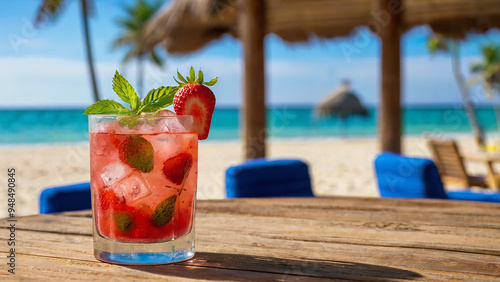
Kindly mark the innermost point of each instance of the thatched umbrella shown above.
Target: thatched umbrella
(342, 102)
(186, 26)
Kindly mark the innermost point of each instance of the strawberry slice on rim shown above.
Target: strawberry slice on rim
(194, 98)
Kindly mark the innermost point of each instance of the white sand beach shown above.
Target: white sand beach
(337, 166)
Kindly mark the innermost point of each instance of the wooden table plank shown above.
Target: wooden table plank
(306, 260)
(286, 239)
(50, 268)
(379, 232)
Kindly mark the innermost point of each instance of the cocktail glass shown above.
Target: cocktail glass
(143, 181)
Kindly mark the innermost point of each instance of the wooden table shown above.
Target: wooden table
(285, 239)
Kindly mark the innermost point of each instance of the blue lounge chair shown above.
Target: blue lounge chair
(268, 178)
(405, 177)
(65, 198)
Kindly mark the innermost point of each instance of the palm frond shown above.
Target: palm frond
(48, 11)
(488, 52)
(156, 59)
(437, 43)
(124, 40)
(127, 23)
(476, 67)
(473, 80)
(131, 54)
(132, 26)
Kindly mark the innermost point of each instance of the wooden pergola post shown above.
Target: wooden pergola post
(252, 32)
(390, 95)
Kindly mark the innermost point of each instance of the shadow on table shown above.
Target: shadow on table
(233, 267)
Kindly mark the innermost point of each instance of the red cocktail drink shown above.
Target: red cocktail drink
(143, 166)
(143, 177)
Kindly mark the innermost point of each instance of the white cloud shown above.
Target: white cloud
(44, 81)
(41, 81)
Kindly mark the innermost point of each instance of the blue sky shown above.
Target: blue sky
(46, 67)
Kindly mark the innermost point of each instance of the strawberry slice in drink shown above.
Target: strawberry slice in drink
(177, 167)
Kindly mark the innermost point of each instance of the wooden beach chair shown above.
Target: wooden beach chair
(451, 165)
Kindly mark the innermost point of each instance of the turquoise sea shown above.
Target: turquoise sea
(28, 126)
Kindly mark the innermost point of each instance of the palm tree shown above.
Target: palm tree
(132, 26)
(487, 72)
(50, 9)
(488, 69)
(440, 43)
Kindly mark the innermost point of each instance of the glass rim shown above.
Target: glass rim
(137, 116)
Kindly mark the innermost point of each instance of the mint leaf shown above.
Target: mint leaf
(211, 82)
(138, 153)
(124, 221)
(164, 212)
(126, 92)
(158, 99)
(129, 122)
(105, 107)
(168, 99)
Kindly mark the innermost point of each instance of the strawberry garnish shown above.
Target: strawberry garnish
(196, 99)
(176, 168)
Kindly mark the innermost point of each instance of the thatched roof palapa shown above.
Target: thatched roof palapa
(342, 102)
(186, 26)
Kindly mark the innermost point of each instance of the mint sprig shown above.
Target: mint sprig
(106, 107)
(126, 92)
(155, 100)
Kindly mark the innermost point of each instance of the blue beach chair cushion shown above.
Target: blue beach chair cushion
(269, 178)
(65, 198)
(483, 196)
(405, 177)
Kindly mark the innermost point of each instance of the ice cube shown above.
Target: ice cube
(165, 113)
(176, 125)
(97, 146)
(132, 188)
(145, 128)
(167, 145)
(115, 172)
(101, 127)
